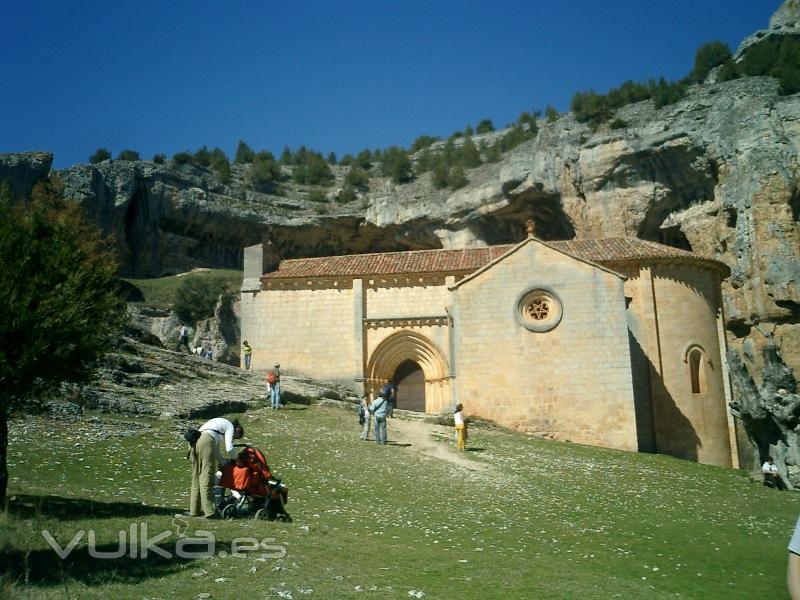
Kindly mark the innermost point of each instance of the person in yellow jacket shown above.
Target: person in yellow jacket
(461, 427)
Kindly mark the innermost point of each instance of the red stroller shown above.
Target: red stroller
(254, 491)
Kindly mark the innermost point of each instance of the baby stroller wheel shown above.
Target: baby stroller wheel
(262, 514)
(228, 512)
(284, 518)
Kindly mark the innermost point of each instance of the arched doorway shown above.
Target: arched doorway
(418, 363)
(410, 381)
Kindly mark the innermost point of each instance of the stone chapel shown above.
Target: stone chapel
(610, 342)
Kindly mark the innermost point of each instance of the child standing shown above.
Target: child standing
(461, 427)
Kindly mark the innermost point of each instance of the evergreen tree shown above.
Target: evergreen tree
(219, 162)
(202, 157)
(396, 165)
(129, 155)
(99, 156)
(59, 293)
(469, 155)
(485, 126)
(244, 154)
(264, 172)
(707, 57)
(550, 113)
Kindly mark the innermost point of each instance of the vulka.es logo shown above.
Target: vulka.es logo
(136, 543)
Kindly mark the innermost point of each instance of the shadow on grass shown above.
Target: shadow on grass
(475, 449)
(29, 506)
(45, 568)
(398, 445)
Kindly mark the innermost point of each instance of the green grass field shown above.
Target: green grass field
(540, 520)
(160, 292)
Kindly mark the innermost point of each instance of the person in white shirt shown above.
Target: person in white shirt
(207, 457)
(771, 476)
(461, 427)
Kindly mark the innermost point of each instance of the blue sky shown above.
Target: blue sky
(335, 76)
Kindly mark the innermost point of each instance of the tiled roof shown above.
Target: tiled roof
(601, 251)
(390, 263)
(620, 250)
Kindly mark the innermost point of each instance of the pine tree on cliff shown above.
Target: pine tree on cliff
(59, 301)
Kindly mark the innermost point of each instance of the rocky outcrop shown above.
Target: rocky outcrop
(146, 379)
(22, 170)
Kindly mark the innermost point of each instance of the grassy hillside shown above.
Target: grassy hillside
(160, 292)
(535, 519)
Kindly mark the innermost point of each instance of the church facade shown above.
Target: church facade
(613, 342)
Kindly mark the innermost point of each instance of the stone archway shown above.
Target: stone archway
(403, 353)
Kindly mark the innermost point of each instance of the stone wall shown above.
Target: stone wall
(673, 309)
(573, 382)
(307, 328)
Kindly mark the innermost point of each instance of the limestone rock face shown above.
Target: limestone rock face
(22, 170)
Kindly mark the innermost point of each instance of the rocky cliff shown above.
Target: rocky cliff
(716, 173)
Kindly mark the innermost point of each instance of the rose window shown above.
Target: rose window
(539, 310)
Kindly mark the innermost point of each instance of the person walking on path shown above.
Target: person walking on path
(207, 458)
(380, 408)
(183, 338)
(247, 355)
(461, 428)
(364, 418)
(274, 381)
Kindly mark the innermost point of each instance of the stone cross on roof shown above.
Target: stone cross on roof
(531, 227)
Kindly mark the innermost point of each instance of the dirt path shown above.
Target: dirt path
(420, 436)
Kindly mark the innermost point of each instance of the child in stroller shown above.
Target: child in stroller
(254, 491)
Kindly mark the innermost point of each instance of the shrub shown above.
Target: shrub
(99, 156)
(456, 178)
(357, 178)
(128, 155)
(317, 196)
(550, 113)
(439, 175)
(347, 160)
(346, 194)
(196, 298)
(421, 142)
(618, 124)
(160, 158)
(332, 158)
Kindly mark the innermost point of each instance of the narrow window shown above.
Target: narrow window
(696, 370)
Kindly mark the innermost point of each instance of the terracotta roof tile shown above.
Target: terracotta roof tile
(601, 251)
